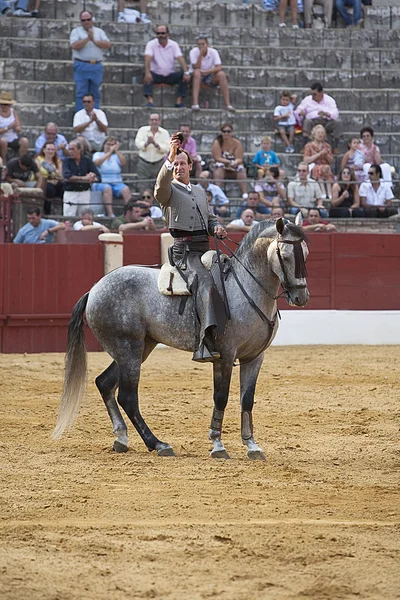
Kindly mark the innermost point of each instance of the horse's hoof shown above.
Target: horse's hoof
(165, 450)
(118, 447)
(219, 454)
(256, 455)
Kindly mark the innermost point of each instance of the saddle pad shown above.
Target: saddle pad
(170, 277)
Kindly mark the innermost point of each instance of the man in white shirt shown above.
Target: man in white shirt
(152, 141)
(206, 68)
(91, 124)
(376, 195)
(160, 55)
(245, 223)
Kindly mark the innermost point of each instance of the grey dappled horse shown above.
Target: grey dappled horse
(129, 317)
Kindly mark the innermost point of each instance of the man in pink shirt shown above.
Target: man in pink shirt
(159, 66)
(189, 144)
(320, 109)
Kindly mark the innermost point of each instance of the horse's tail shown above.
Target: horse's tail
(75, 371)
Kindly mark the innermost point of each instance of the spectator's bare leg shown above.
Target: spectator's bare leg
(107, 200)
(308, 13)
(284, 137)
(322, 186)
(121, 6)
(241, 178)
(196, 79)
(282, 10)
(221, 79)
(293, 9)
(291, 136)
(126, 194)
(3, 150)
(23, 146)
(219, 175)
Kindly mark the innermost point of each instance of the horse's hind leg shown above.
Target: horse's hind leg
(222, 379)
(107, 383)
(248, 380)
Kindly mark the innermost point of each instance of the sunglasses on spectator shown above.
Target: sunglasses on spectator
(371, 173)
(146, 197)
(85, 20)
(161, 33)
(227, 131)
(87, 101)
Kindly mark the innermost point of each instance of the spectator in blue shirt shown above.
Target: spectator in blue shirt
(37, 230)
(265, 158)
(220, 202)
(51, 135)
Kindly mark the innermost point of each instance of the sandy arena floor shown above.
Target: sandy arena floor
(320, 519)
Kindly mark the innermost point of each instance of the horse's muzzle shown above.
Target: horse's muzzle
(297, 296)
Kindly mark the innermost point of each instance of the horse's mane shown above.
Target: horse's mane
(267, 230)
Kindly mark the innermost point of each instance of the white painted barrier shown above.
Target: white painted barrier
(113, 251)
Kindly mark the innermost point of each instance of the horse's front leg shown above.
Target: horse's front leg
(222, 380)
(248, 380)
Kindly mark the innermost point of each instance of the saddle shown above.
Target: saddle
(170, 281)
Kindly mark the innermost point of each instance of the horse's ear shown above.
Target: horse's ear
(280, 225)
(299, 219)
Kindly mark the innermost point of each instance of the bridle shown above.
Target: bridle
(300, 267)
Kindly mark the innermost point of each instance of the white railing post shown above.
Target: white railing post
(113, 251)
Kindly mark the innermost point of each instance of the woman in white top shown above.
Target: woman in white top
(10, 128)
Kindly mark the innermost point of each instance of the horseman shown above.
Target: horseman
(191, 222)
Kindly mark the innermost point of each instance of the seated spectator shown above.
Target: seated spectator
(50, 167)
(37, 230)
(372, 154)
(328, 9)
(24, 172)
(265, 157)
(350, 20)
(244, 223)
(285, 120)
(227, 152)
(282, 12)
(159, 66)
(270, 187)
(79, 173)
(315, 223)
(209, 200)
(146, 203)
(318, 153)
(219, 201)
(277, 212)
(320, 109)
(189, 144)
(152, 141)
(345, 197)
(132, 220)
(354, 159)
(206, 69)
(10, 128)
(20, 8)
(109, 163)
(376, 195)
(87, 224)
(5, 188)
(142, 18)
(51, 135)
(254, 202)
(91, 123)
(304, 193)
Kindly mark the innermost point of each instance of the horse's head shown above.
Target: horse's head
(287, 256)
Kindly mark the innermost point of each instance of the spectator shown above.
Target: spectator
(147, 205)
(109, 163)
(354, 159)
(10, 128)
(284, 116)
(345, 196)
(91, 124)
(79, 173)
(20, 9)
(320, 109)
(152, 141)
(304, 193)
(51, 135)
(353, 20)
(227, 152)
(143, 18)
(159, 66)
(254, 202)
(328, 8)
(219, 201)
(282, 12)
(314, 222)
(133, 220)
(5, 188)
(270, 186)
(50, 167)
(318, 155)
(277, 212)
(206, 69)
(37, 230)
(87, 224)
(376, 195)
(189, 144)
(24, 172)
(265, 158)
(372, 154)
(88, 44)
(244, 223)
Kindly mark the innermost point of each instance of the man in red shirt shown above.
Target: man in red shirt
(314, 222)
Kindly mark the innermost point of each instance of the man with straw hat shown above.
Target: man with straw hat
(10, 128)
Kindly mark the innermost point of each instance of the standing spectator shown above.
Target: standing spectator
(318, 152)
(219, 202)
(109, 163)
(265, 157)
(376, 195)
(348, 19)
(244, 223)
(143, 18)
(271, 187)
(10, 128)
(254, 202)
(51, 135)
(37, 230)
(87, 224)
(206, 68)
(372, 154)
(354, 159)
(315, 223)
(328, 8)
(189, 144)
(133, 220)
(50, 167)
(152, 141)
(91, 124)
(320, 109)
(88, 44)
(227, 152)
(159, 66)
(146, 203)
(304, 193)
(345, 196)
(79, 173)
(282, 12)
(284, 116)
(24, 172)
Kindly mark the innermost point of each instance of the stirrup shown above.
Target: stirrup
(203, 354)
